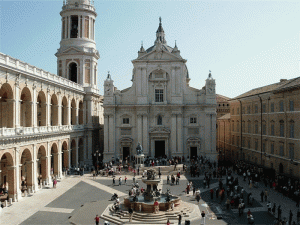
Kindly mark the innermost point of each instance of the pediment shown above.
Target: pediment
(71, 50)
(160, 55)
(160, 130)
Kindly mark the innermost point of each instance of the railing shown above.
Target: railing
(83, 6)
(7, 132)
(9, 61)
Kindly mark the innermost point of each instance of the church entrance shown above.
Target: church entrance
(126, 153)
(159, 149)
(193, 152)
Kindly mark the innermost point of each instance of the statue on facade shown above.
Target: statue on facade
(139, 149)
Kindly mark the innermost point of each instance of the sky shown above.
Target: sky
(246, 44)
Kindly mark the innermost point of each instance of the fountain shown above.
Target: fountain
(145, 203)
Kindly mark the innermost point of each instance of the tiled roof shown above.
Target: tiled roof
(225, 117)
(221, 98)
(291, 84)
(264, 89)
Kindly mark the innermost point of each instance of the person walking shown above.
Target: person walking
(279, 212)
(262, 196)
(203, 218)
(97, 219)
(269, 207)
(179, 219)
(212, 194)
(125, 180)
(266, 195)
(198, 197)
(249, 215)
(290, 217)
(114, 181)
(274, 209)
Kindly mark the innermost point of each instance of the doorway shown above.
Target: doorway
(126, 153)
(193, 153)
(159, 149)
(280, 168)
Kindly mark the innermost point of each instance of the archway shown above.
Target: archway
(41, 164)
(65, 156)
(73, 72)
(64, 111)
(73, 153)
(80, 112)
(80, 151)
(41, 109)
(6, 106)
(54, 160)
(7, 174)
(280, 168)
(26, 108)
(26, 173)
(54, 110)
(73, 112)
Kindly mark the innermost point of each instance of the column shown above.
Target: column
(179, 134)
(89, 112)
(152, 148)
(76, 116)
(173, 81)
(174, 148)
(140, 129)
(48, 160)
(84, 113)
(106, 137)
(111, 134)
(48, 109)
(77, 142)
(16, 189)
(59, 109)
(69, 112)
(69, 26)
(83, 26)
(59, 159)
(79, 28)
(17, 106)
(145, 135)
(35, 176)
(34, 112)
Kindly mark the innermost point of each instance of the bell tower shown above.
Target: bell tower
(77, 57)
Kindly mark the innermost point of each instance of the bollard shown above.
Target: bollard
(29, 190)
(25, 193)
(10, 201)
(44, 183)
(15, 198)
(41, 185)
(5, 203)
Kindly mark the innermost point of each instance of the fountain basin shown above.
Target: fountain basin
(148, 206)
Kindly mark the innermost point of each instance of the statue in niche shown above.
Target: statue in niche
(139, 149)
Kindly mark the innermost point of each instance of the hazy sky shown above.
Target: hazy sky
(246, 44)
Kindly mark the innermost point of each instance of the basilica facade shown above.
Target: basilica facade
(161, 111)
(51, 122)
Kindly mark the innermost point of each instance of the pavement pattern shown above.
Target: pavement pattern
(63, 204)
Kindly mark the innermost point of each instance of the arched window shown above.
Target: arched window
(159, 120)
(264, 128)
(256, 127)
(272, 128)
(292, 129)
(73, 72)
(249, 127)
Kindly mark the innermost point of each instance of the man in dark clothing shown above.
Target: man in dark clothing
(290, 217)
(212, 193)
(179, 219)
(262, 196)
(279, 212)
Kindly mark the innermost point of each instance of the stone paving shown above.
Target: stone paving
(64, 204)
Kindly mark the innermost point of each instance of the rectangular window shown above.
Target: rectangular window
(238, 141)
(125, 120)
(159, 95)
(281, 129)
(249, 144)
(291, 105)
(272, 107)
(243, 143)
(193, 120)
(292, 129)
(238, 127)
(272, 148)
(249, 127)
(238, 111)
(232, 126)
(243, 111)
(256, 144)
(256, 108)
(281, 151)
(281, 106)
(264, 147)
(272, 129)
(248, 109)
(264, 108)
(256, 128)
(233, 140)
(291, 151)
(264, 129)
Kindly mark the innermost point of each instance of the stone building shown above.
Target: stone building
(263, 127)
(160, 110)
(50, 122)
(223, 105)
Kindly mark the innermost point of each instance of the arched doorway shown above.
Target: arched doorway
(73, 72)
(80, 112)
(54, 110)
(64, 111)
(41, 109)
(26, 172)
(80, 152)
(73, 153)
(41, 164)
(54, 160)
(73, 112)
(6, 106)
(26, 108)
(7, 174)
(65, 156)
(280, 168)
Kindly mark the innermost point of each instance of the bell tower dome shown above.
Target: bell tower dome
(77, 57)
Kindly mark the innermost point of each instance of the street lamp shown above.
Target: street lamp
(97, 154)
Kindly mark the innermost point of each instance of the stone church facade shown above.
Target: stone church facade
(50, 122)
(160, 110)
